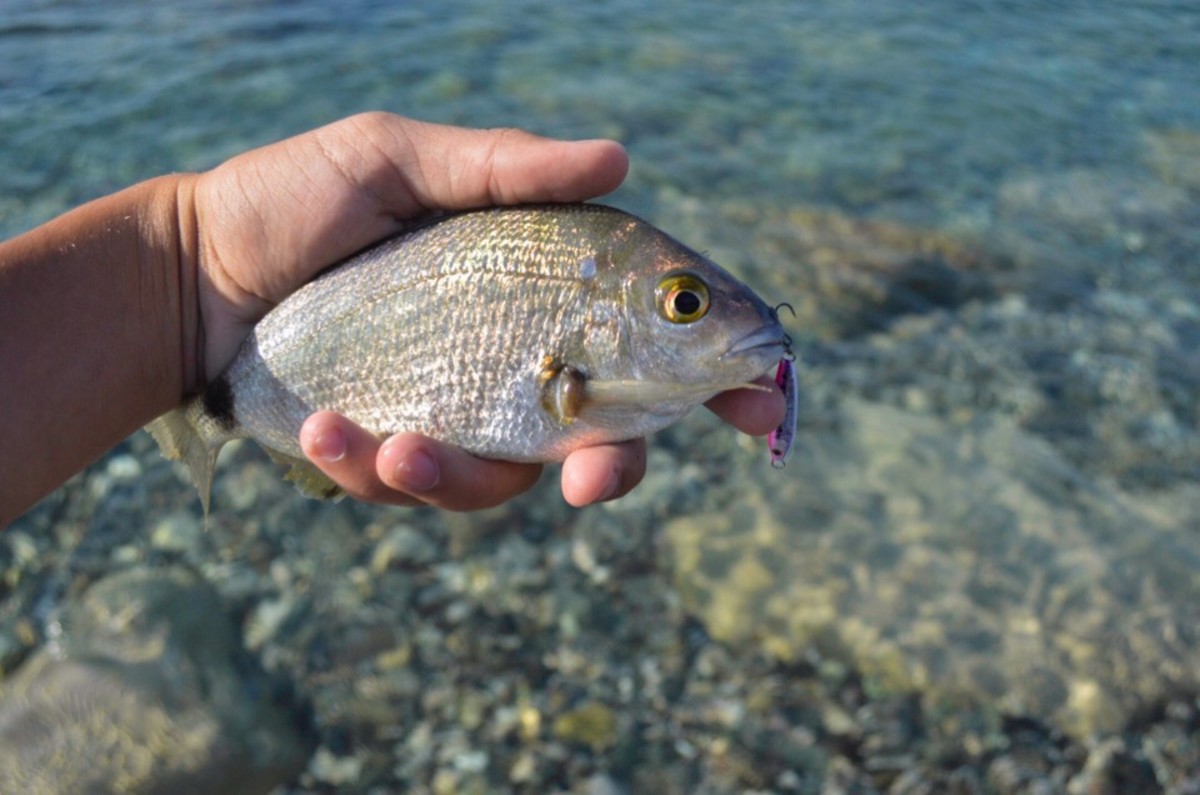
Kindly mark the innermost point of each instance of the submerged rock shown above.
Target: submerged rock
(147, 691)
(843, 276)
(1174, 154)
(952, 558)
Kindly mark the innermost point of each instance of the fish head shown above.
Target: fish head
(691, 322)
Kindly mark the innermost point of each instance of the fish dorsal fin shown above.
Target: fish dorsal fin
(311, 481)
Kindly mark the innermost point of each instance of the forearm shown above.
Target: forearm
(91, 335)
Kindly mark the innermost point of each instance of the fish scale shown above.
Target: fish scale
(472, 329)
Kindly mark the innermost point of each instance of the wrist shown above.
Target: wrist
(92, 331)
(168, 241)
(184, 239)
(166, 283)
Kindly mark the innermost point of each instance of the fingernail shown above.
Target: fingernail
(417, 472)
(329, 446)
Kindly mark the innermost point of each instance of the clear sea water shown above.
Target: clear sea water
(1068, 131)
(914, 110)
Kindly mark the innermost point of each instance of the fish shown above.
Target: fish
(519, 333)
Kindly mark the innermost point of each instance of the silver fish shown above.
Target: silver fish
(519, 333)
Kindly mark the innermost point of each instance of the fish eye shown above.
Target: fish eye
(682, 298)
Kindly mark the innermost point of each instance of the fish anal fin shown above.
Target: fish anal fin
(181, 439)
(311, 481)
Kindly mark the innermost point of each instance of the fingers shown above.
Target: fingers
(604, 472)
(346, 453)
(438, 167)
(749, 410)
(409, 469)
(448, 477)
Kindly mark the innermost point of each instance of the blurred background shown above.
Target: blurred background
(980, 571)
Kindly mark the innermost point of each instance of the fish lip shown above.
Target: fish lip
(762, 338)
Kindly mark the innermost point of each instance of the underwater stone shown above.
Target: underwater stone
(150, 692)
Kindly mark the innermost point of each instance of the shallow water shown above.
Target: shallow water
(986, 215)
(918, 111)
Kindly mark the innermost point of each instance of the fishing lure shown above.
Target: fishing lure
(779, 441)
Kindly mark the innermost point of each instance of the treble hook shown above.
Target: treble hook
(789, 354)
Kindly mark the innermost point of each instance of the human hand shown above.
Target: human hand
(262, 224)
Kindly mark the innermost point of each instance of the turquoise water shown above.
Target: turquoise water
(917, 110)
(986, 214)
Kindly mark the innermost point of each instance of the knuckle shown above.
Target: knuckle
(372, 119)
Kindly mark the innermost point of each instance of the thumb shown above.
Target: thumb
(438, 167)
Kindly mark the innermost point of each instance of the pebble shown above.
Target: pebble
(336, 770)
(592, 724)
(403, 546)
(180, 531)
(603, 784)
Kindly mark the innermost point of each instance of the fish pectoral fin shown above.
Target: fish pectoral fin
(636, 392)
(311, 481)
(563, 391)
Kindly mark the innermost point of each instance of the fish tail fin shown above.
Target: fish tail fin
(181, 438)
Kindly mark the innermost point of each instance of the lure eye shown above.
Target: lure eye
(682, 298)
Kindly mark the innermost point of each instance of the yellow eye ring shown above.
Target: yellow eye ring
(682, 298)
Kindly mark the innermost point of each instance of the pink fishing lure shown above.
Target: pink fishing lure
(779, 441)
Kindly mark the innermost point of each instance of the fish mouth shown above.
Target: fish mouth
(760, 340)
